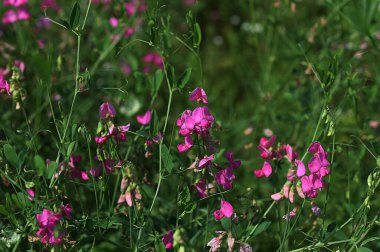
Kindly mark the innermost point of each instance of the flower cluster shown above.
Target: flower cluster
(196, 122)
(20, 12)
(48, 221)
(106, 128)
(152, 59)
(298, 181)
(129, 190)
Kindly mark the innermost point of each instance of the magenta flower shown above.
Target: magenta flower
(9, 17)
(4, 87)
(183, 147)
(66, 211)
(230, 157)
(23, 14)
(144, 119)
(266, 170)
(290, 215)
(300, 168)
(130, 9)
(167, 239)
(107, 110)
(114, 22)
(31, 194)
(201, 188)
(48, 221)
(204, 162)
(226, 210)
(15, 3)
(225, 177)
(198, 95)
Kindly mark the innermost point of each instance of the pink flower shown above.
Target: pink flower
(204, 162)
(266, 143)
(23, 14)
(289, 153)
(300, 168)
(4, 87)
(183, 147)
(15, 3)
(226, 210)
(31, 194)
(266, 170)
(107, 110)
(9, 17)
(245, 247)
(20, 65)
(198, 95)
(144, 119)
(48, 218)
(167, 239)
(129, 31)
(130, 9)
(277, 196)
(114, 22)
(290, 215)
(126, 69)
(101, 140)
(374, 124)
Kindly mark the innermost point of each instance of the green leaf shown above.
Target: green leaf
(39, 165)
(65, 23)
(331, 227)
(261, 227)
(3, 210)
(184, 78)
(159, 246)
(11, 155)
(171, 74)
(51, 170)
(157, 80)
(226, 223)
(75, 15)
(71, 148)
(167, 159)
(364, 249)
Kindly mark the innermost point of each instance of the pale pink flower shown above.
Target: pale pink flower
(214, 244)
(30, 193)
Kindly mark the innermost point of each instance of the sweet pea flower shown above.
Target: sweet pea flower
(167, 239)
(9, 17)
(225, 177)
(144, 119)
(315, 209)
(4, 87)
(130, 9)
(66, 211)
(201, 188)
(107, 110)
(183, 147)
(230, 157)
(15, 3)
(23, 14)
(214, 244)
(204, 162)
(300, 168)
(114, 22)
(266, 170)
(30, 193)
(290, 215)
(226, 210)
(198, 95)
